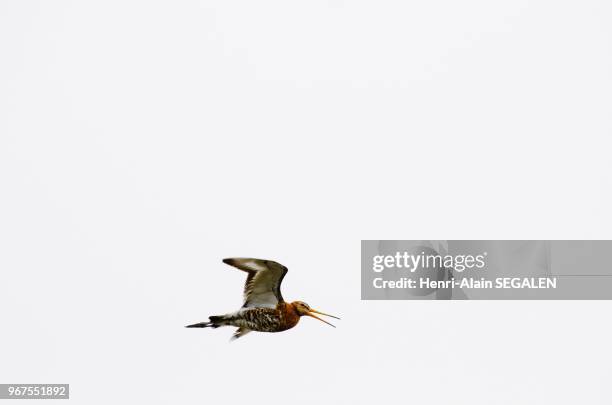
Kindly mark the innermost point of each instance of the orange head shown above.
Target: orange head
(303, 309)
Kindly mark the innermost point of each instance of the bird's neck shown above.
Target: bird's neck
(288, 314)
(288, 308)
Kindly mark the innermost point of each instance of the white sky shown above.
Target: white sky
(143, 141)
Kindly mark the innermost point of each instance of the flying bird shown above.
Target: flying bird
(264, 309)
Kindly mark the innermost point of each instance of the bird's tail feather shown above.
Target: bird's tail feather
(201, 325)
(214, 322)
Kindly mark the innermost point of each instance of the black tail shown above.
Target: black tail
(200, 325)
(215, 322)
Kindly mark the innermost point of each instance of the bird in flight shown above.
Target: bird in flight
(264, 309)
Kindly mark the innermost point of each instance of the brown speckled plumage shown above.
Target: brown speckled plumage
(278, 319)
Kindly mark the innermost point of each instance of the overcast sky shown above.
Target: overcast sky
(141, 142)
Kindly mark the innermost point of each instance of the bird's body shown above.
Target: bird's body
(278, 319)
(264, 309)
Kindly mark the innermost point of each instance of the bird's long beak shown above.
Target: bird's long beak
(312, 313)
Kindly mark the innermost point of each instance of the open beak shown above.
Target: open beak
(312, 313)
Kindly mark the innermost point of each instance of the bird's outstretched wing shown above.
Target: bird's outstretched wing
(262, 287)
